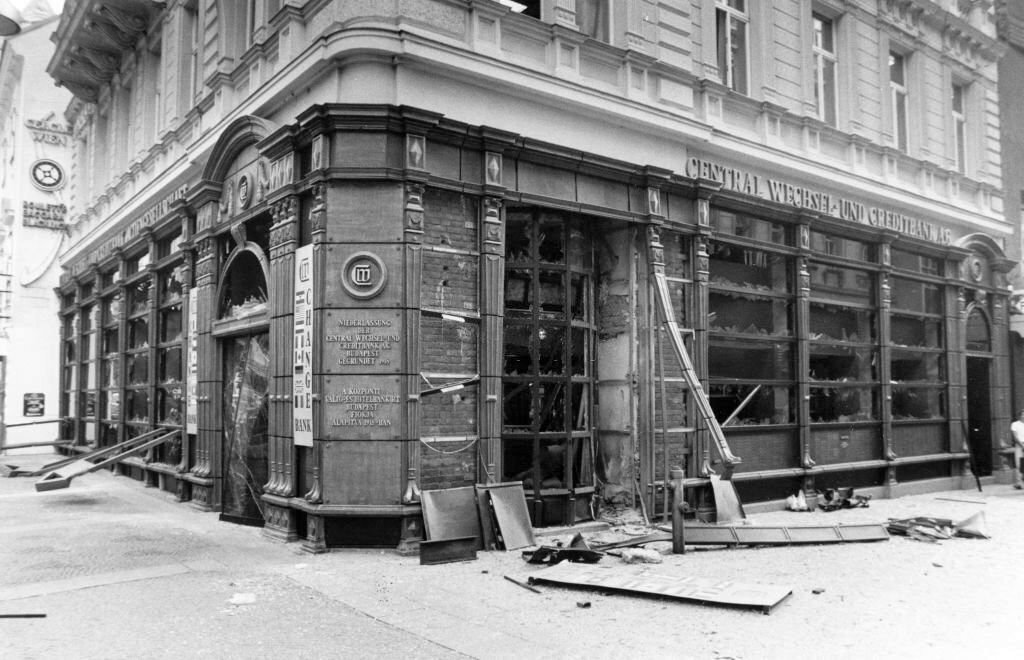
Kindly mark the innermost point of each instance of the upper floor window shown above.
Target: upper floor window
(959, 129)
(825, 69)
(591, 17)
(898, 98)
(194, 70)
(731, 37)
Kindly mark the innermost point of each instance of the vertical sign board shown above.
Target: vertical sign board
(34, 404)
(192, 375)
(302, 366)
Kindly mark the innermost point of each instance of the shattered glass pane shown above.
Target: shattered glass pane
(517, 237)
(579, 296)
(517, 411)
(768, 405)
(552, 407)
(578, 352)
(138, 333)
(917, 332)
(138, 369)
(842, 363)
(580, 406)
(550, 239)
(738, 313)
(833, 323)
(552, 291)
(909, 365)
(750, 360)
(518, 286)
(917, 403)
(517, 455)
(843, 404)
(551, 350)
(518, 356)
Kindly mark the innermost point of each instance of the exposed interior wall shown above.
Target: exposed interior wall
(616, 331)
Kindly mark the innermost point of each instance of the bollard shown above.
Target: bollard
(678, 508)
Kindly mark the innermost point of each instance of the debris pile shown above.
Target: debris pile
(933, 530)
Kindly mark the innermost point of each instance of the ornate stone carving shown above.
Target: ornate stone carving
(414, 212)
(318, 211)
(654, 201)
(656, 251)
(316, 535)
(416, 152)
(493, 168)
(109, 33)
(493, 231)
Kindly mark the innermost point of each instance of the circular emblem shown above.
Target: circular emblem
(974, 269)
(47, 175)
(244, 191)
(364, 275)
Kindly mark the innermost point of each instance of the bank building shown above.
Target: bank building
(348, 252)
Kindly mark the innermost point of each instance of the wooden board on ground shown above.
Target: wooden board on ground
(663, 584)
(451, 513)
(507, 504)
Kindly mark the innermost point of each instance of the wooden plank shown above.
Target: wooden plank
(512, 516)
(665, 585)
(451, 513)
(444, 551)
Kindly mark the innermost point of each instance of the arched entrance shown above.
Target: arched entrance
(244, 344)
(979, 388)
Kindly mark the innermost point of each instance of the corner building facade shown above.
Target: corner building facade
(356, 253)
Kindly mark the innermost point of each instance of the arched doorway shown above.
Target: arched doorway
(245, 370)
(979, 387)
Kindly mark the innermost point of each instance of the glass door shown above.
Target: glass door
(246, 382)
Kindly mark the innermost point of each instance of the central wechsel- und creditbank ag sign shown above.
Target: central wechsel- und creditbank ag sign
(782, 192)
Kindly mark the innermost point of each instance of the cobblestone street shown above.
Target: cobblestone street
(122, 571)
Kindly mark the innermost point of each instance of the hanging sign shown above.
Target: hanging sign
(302, 369)
(192, 376)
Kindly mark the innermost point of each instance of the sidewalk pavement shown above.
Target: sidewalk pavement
(123, 571)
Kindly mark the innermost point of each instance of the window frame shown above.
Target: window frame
(898, 100)
(826, 108)
(958, 113)
(727, 13)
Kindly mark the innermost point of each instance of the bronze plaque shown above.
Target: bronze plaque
(360, 341)
(361, 407)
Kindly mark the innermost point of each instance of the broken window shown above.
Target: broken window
(750, 323)
(548, 354)
(917, 366)
(843, 339)
(244, 290)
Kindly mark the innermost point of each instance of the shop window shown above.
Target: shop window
(136, 264)
(834, 282)
(88, 374)
(110, 368)
(917, 403)
(915, 262)
(842, 355)
(750, 321)
(838, 246)
(731, 23)
(836, 323)
(745, 226)
(915, 296)
(908, 331)
(843, 403)
(548, 358)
